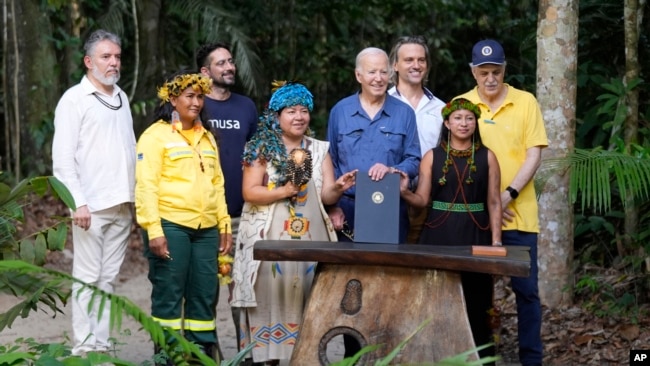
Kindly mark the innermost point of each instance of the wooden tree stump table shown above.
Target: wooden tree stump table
(380, 293)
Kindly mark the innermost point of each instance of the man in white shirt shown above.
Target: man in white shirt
(93, 154)
(409, 60)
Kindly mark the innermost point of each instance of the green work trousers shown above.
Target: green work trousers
(185, 287)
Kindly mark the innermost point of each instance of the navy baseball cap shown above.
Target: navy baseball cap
(488, 51)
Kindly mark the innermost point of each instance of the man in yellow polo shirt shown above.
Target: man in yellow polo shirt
(511, 125)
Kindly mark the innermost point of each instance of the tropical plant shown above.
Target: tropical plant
(22, 276)
(593, 171)
(42, 286)
(32, 247)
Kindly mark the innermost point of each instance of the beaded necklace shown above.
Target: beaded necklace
(467, 153)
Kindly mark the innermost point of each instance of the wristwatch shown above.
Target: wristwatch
(513, 192)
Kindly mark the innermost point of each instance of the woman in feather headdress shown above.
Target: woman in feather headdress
(288, 177)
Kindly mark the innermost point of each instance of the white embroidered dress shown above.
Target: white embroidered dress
(273, 293)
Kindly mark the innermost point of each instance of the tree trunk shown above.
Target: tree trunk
(32, 87)
(633, 15)
(152, 62)
(557, 58)
(631, 132)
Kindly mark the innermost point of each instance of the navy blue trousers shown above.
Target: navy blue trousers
(529, 308)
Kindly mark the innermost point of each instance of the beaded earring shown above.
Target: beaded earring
(176, 121)
(470, 162)
(445, 168)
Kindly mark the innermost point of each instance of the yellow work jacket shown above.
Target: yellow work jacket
(179, 180)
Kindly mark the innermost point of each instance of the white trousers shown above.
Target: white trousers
(98, 255)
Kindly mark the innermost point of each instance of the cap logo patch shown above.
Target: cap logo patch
(486, 51)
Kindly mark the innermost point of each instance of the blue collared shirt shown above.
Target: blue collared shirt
(358, 142)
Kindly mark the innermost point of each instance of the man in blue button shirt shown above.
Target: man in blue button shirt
(372, 132)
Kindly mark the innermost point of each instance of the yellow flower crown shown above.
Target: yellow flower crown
(176, 86)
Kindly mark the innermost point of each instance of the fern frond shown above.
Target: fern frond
(595, 172)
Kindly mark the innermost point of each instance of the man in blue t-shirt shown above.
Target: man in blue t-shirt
(232, 119)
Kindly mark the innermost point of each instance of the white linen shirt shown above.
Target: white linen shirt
(428, 116)
(93, 152)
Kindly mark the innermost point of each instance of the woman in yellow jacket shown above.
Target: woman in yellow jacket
(181, 206)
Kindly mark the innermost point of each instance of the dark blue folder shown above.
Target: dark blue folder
(376, 210)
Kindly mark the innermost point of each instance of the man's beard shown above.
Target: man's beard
(106, 80)
(221, 82)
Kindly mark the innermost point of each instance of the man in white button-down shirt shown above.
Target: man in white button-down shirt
(93, 154)
(409, 61)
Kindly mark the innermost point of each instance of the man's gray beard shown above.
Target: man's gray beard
(106, 80)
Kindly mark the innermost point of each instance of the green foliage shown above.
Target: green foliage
(30, 352)
(601, 68)
(461, 359)
(593, 172)
(456, 360)
(213, 22)
(33, 247)
(41, 286)
(604, 121)
(611, 295)
(608, 177)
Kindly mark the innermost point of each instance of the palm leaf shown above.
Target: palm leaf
(594, 172)
(353, 360)
(461, 359)
(62, 192)
(113, 19)
(389, 358)
(239, 357)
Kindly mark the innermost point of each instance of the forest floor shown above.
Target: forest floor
(572, 335)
